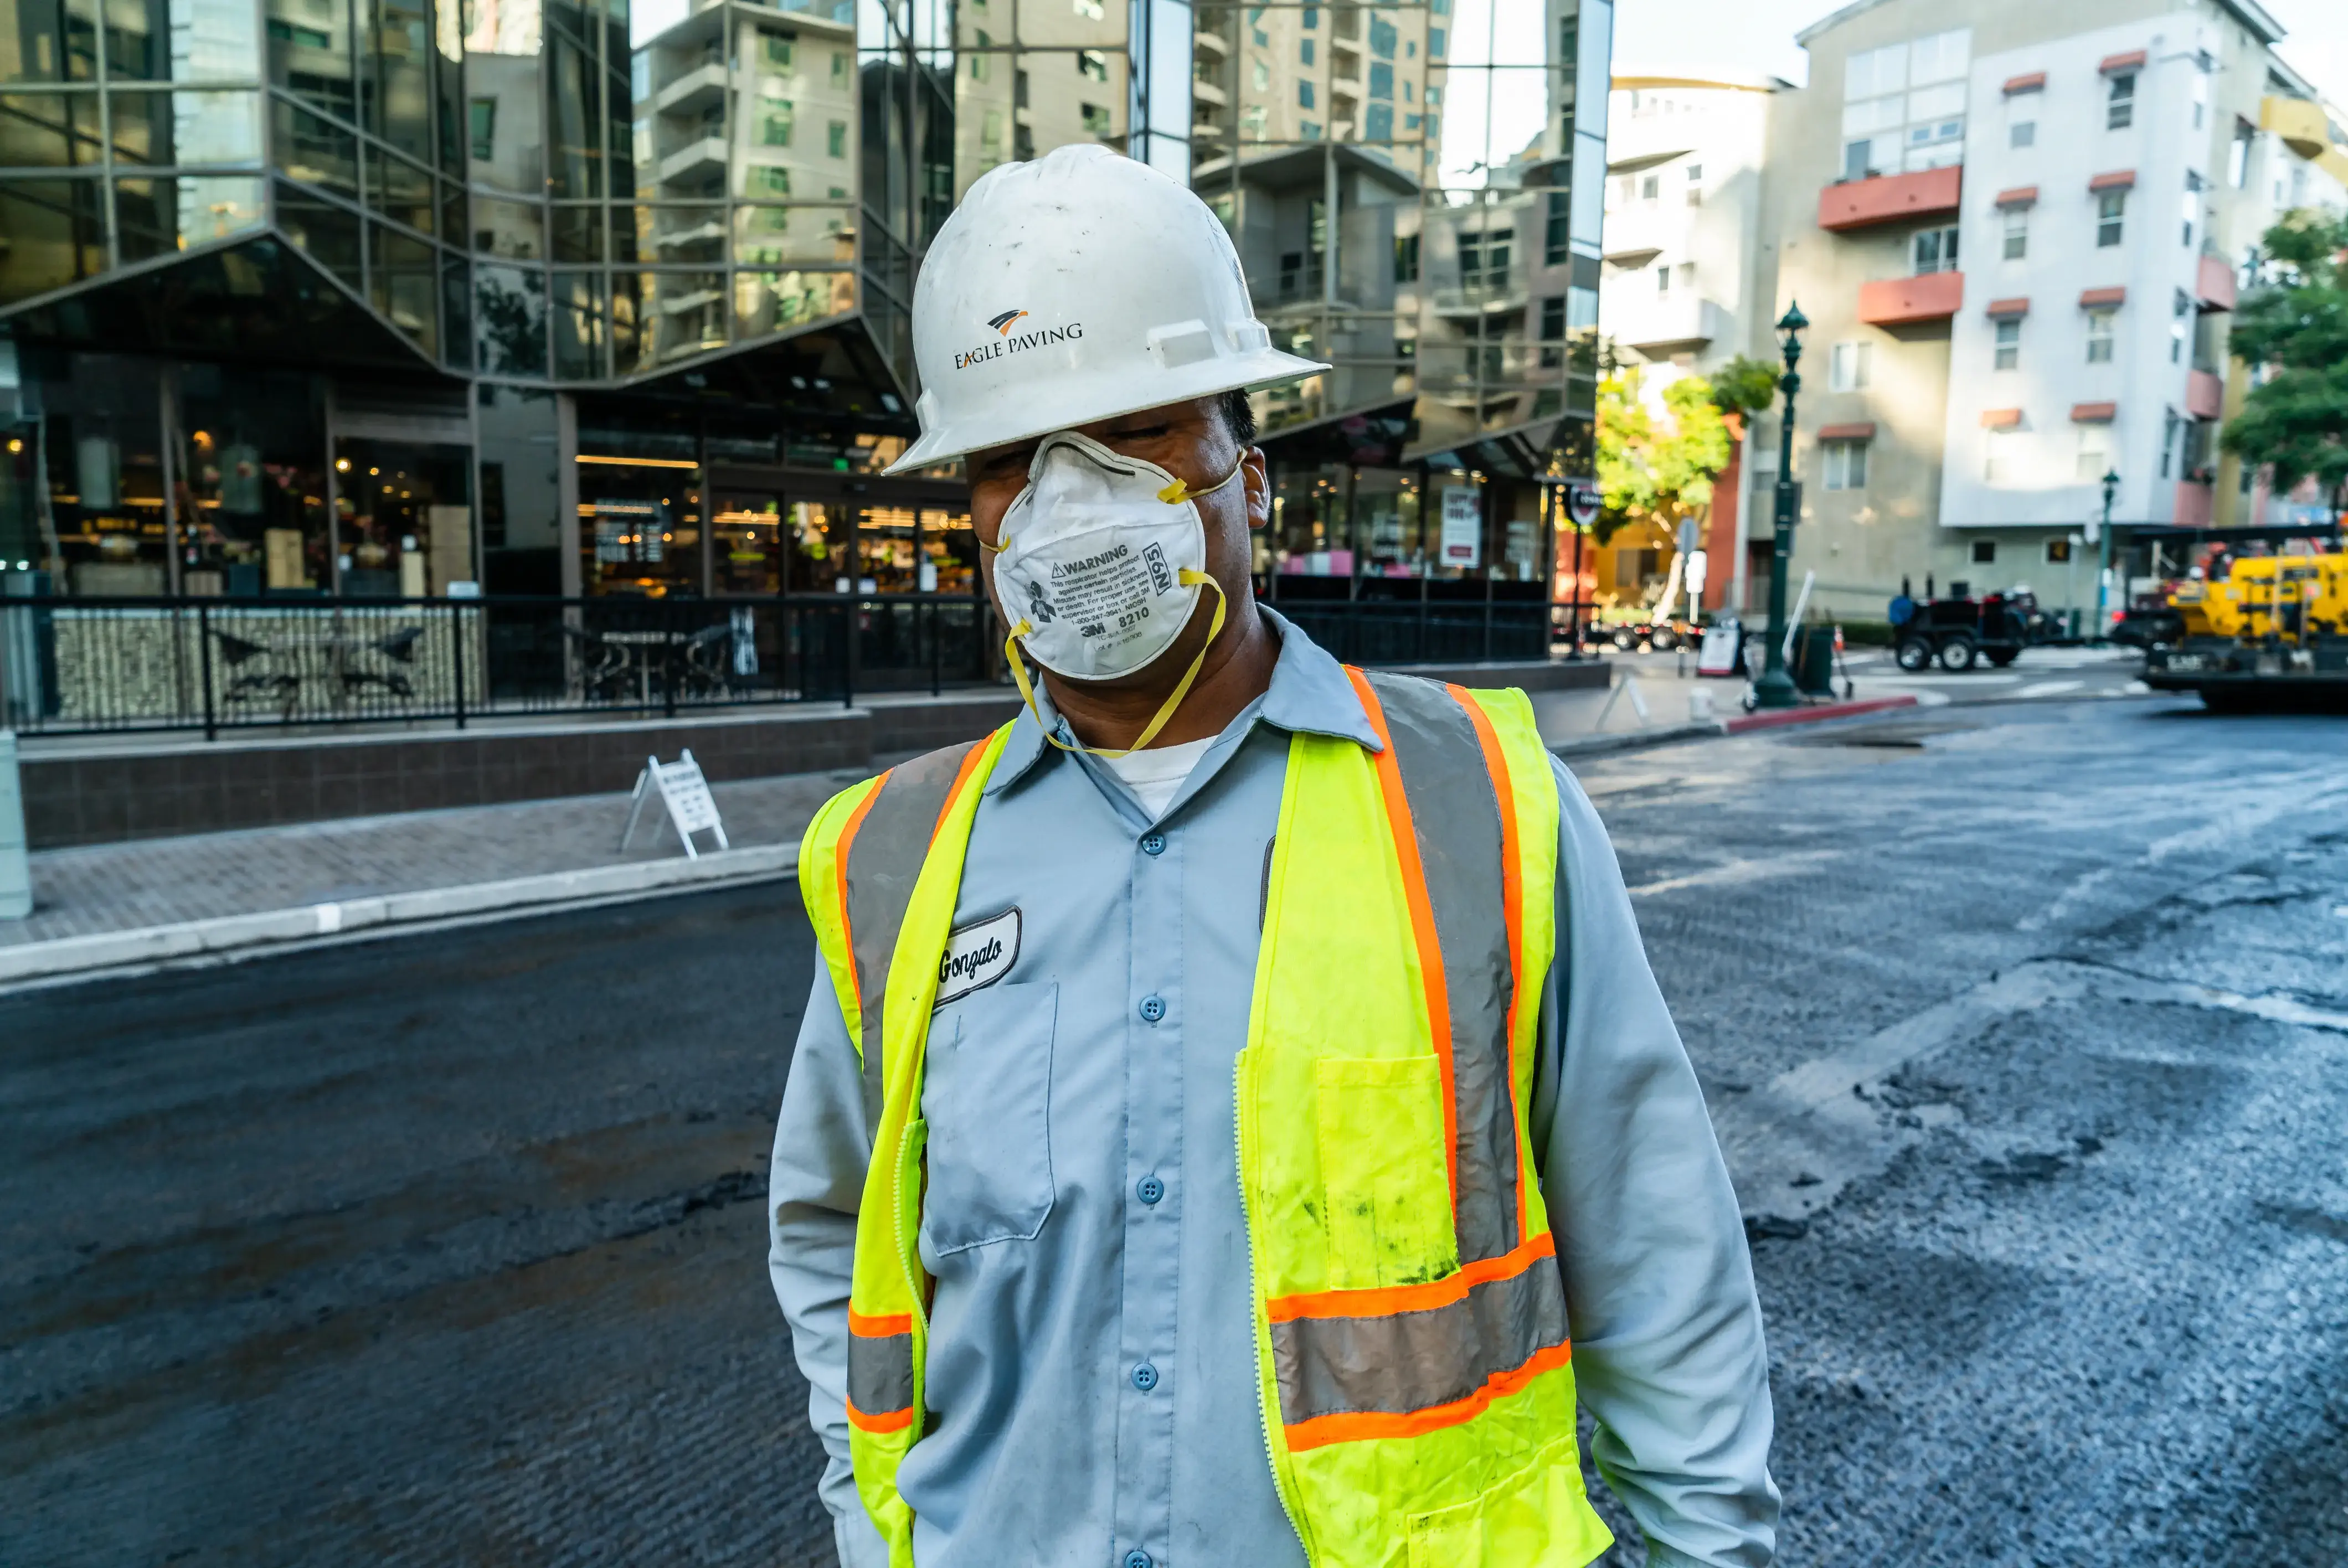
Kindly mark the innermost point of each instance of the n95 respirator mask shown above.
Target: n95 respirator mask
(1099, 565)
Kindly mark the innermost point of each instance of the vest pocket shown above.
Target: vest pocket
(986, 1095)
(1387, 1202)
(1537, 1518)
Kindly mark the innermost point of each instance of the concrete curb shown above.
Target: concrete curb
(1818, 715)
(1637, 740)
(1714, 729)
(308, 922)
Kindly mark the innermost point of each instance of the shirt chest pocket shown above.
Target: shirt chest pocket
(986, 1095)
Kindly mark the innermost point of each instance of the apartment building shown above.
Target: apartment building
(2019, 231)
(1415, 193)
(1686, 162)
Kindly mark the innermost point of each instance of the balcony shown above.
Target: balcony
(2215, 287)
(1637, 233)
(705, 156)
(1908, 302)
(1892, 199)
(1657, 324)
(1495, 298)
(2205, 395)
(693, 91)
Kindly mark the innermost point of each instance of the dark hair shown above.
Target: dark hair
(1239, 416)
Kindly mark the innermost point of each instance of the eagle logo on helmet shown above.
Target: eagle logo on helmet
(1002, 323)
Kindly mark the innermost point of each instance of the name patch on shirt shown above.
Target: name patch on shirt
(978, 954)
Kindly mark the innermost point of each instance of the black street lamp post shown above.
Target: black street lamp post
(2104, 561)
(1776, 687)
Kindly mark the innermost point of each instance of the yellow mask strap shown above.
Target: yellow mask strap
(1166, 710)
(1175, 494)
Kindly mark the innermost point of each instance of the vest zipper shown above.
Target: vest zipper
(1255, 1283)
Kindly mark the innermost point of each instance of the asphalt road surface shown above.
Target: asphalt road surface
(2025, 1028)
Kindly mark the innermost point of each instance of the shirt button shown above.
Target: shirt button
(1137, 1558)
(1152, 1009)
(1144, 1376)
(1153, 844)
(1150, 1189)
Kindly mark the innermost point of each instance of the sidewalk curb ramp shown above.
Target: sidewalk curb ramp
(308, 922)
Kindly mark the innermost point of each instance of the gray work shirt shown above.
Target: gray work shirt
(1092, 1360)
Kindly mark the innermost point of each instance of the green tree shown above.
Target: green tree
(2297, 327)
(1657, 469)
(1744, 385)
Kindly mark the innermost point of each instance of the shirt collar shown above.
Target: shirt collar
(1310, 692)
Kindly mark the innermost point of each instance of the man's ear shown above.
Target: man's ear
(1258, 481)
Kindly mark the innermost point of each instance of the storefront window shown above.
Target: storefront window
(403, 518)
(885, 541)
(950, 552)
(521, 492)
(102, 437)
(1310, 525)
(639, 526)
(1386, 514)
(818, 548)
(251, 467)
(752, 534)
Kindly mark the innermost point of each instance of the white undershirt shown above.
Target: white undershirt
(1155, 776)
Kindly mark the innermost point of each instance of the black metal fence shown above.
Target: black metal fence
(86, 665)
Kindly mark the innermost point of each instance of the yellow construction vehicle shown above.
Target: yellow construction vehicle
(2268, 596)
(2272, 631)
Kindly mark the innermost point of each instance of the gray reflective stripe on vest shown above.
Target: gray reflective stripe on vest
(1408, 1361)
(881, 1373)
(1455, 812)
(884, 861)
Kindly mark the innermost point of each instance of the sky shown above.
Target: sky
(1758, 35)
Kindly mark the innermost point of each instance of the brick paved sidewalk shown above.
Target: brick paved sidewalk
(107, 887)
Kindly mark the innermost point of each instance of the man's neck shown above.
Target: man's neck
(1237, 671)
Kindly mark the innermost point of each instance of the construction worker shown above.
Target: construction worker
(1234, 1120)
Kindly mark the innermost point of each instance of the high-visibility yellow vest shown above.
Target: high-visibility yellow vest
(1412, 1353)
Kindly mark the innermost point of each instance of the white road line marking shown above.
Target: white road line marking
(2049, 687)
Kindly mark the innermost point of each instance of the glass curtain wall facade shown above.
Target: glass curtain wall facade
(580, 296)
(1415, 201)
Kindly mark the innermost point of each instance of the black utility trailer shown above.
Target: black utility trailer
(1955, 632)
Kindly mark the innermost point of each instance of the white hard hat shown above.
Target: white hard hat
(1078, 287)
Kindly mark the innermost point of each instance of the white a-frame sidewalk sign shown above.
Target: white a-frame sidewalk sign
(686, 793)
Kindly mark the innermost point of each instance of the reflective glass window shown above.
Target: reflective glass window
(56, 234)
(513, 229)
(509, 320)
(578, 319)
(403, 277)
(400, 189)
(48, 130)
(186, 128)
(156, 217)
(33, 49)
(310, 53)
(775, 302)
(327, 233)
(681, 314)
(780, 236)
(395, 53)
(313, 148)
(681, 233)
(578, 233)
